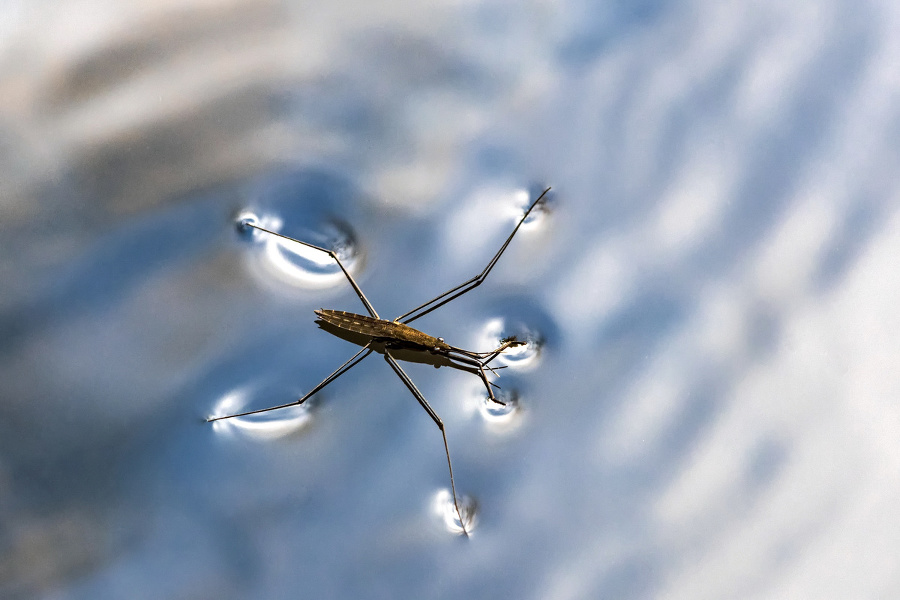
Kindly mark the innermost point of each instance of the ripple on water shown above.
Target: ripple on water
(503, 416)
(294, 263)
(538, 216)
(524, 357)
(442, 506)
(267, 425)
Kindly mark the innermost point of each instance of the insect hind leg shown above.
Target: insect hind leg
(467, 286)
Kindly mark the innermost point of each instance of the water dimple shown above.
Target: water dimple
(501, 416)
(292, 261)
(265, 425)
(538, 215)
(502, 412)
(244, 224)
(522, 357)
(442, 506)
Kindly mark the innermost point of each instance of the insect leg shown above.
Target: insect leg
(472, 283)
(480, 366)
(437, 421)
(330, 253)
(486, 357)
(354, 360)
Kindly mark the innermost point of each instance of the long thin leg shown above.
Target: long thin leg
(330, 253)
(354, 360)
(437, 421)
(472, 283)
(480, 366)
(486, 357)
(481, 361)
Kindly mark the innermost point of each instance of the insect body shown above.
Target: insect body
(397, 339)
(382, 329)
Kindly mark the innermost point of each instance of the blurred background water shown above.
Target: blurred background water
(712, 412)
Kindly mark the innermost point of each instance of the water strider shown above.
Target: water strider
(396, 339)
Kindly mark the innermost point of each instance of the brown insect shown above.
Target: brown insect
(396, 339)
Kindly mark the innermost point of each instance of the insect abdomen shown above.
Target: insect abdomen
(376, 328)
(356, 323)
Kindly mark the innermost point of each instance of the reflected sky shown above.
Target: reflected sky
(706, 403)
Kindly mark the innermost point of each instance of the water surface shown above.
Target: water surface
(707, 406)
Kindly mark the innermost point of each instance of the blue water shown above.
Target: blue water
(706, 407)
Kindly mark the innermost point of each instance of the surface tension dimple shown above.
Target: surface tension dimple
(267, 426)
(500, 413)
(442, 506)
(523, 357)
(294, 263)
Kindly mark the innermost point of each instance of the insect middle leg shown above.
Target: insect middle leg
(437, 421)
